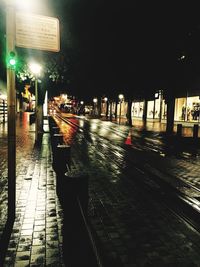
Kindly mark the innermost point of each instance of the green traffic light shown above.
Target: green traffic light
(11, 60)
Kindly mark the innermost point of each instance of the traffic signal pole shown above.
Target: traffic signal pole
(11, 100)
(36, 109)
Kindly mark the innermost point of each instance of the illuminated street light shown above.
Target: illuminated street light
(28, 5)
(82, 102)
(105, 99)
(64, 97)
(35, 68)
(95, 100)
(121, 97)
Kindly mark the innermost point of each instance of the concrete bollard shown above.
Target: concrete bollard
(55, 129)
(195, 131)
(52, 122)
(32, 118)
(74, 188)
(57, 139)
(61, 158)
(179, 130)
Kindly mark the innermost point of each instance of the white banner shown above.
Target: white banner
(37, 32)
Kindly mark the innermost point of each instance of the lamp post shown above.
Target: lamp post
(121, 97)
(81, 108)
(35, 69)
(95, 105)
(106, 102)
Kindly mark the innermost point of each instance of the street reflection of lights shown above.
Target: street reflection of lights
(114, 181)
(81, 123)
(93, 126)
(103, 131)
(118, 154)
(105, 145)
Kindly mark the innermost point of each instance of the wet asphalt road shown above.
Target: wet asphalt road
(134, 228)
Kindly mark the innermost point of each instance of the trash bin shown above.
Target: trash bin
(32, 118)
(52, 122)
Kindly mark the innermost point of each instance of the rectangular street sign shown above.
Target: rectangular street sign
(37, 32)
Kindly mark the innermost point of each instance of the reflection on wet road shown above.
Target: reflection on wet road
(134, 228)
(138, 138)
(117, 147)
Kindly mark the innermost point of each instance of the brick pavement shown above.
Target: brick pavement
(36, 239)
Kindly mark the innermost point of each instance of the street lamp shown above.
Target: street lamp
(35, 68)
(105, 106)
(121, 97)
(95, 104)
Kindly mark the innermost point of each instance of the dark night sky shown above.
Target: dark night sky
(128, 46)
(131, 46)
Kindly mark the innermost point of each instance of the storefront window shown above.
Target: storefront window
(150, 109)
(137, 109)
(113, 108)
(123, 109)
(187, 109)
(157, 109)
(103, 108)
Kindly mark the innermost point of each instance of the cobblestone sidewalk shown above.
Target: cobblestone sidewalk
(36, 239)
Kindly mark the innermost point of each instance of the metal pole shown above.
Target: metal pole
(161, 105)
(36, 109)
(120, 111)
(154, 108)
(10, 46)
(110, 111)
